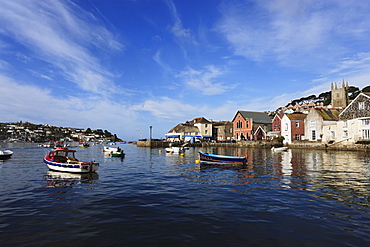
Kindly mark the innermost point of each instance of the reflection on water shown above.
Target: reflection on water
(66, 179)
(150, 198)
(348, 172)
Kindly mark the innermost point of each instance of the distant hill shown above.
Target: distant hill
(25, 131)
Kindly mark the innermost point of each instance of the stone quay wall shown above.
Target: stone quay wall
(263, 144)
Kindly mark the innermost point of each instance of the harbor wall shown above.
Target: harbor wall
(262, 144)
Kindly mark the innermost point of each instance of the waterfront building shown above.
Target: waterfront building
(222, 131)
(246, 123)
(190, 131)
(316, 119)
(353, 125)
(276, 124)
(205, 127)
(183, 132)
(293, 127)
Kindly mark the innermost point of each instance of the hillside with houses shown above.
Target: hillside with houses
(341, 115)
(28, 132)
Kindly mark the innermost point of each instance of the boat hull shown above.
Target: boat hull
(5, 154)
(113, 152)
(279, 149)
(176, 150)
(79, 167)
(214, 159)
(117, 154)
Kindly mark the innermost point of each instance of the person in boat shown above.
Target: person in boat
(119, 149)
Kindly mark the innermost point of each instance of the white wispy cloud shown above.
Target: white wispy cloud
(61, 34)
(177, 28)
(38, 105)
(360, 61)
(203, 80)
(166, 68)
(166, 108)
(294, 32)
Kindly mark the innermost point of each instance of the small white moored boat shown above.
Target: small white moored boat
(6, 154)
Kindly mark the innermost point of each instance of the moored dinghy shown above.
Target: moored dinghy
(63, 159)
(216, 159)
(114, 152)
(6, 154)
(175, 150)
(276, 149)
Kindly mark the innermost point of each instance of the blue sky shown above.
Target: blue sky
(126, 65)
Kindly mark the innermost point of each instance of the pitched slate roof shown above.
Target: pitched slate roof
(328, 114)
(184, 128)
(258, 117)
(200, 120)
(296, 116)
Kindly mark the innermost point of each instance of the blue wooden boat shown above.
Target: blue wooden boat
(216, 159)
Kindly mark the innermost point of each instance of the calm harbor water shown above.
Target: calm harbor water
(150, 198)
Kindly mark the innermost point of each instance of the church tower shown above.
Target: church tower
(339, 96)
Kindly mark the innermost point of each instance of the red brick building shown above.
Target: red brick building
(245, 124)
(293, 127)
(276, 124)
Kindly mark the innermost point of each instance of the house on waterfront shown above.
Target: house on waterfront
(353, 125)
(316, 119)
(205, 127)
(276, 124)
(198, 128)
(222, 131)
(293, 127)
(249, 125)
(183, 132)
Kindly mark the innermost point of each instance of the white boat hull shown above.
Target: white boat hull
(175, 150)
(6, 154)
(279, 149)
(72, 167)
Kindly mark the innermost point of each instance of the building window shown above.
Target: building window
(345, 124)
(297, 124)
(206, 132)
(297, 137)
(286, 127)
(366, 134)
(313, 123)
(345, 134)
(239, 124)
(206, 125)
(361, 105)
(366, 121)
(247, 123)
(231, 130)
(313, 135)
(332, 135)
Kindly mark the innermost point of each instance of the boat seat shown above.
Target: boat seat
(60, 159)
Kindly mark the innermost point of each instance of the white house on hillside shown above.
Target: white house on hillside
(354, 123)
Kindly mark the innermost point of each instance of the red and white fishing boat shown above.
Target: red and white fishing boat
(63, 159)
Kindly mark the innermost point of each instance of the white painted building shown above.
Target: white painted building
(317, 119)
(353, 125)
